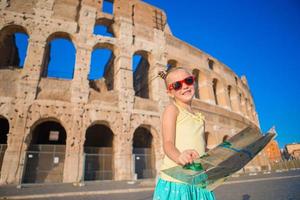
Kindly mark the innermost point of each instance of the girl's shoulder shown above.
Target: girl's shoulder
(171, 109)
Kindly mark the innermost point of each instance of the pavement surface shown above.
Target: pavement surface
(279, 186)
(256, 186)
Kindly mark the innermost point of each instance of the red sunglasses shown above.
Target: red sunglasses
(178, 84)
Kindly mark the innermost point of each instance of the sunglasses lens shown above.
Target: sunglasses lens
(189, 80)
(177, 85)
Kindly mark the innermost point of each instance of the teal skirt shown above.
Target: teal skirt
(179, 191)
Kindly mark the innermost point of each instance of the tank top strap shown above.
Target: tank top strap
(184, 112)
(178, 106)
(182, 109)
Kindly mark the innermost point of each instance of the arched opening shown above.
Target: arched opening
(140, 67)
(108, 6)
(45, 155)
(229, 92)
(59, 57)
(225, 138)
(171, 64)
(196, 75)
(4, 130)
(101, 76)
(143, 153)
(103, 27)
(211, 64)
(98, 149)
(215, 87)
(13, 47)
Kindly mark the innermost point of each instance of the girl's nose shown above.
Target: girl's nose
(184, 85)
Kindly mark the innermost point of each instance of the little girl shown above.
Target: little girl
(183, 137)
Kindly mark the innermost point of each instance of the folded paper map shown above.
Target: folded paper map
(210, 170)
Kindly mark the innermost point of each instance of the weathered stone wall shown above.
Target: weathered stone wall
(27, 98)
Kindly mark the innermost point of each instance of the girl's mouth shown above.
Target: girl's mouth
(186, 92)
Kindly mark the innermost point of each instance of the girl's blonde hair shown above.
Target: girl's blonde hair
(164, 74)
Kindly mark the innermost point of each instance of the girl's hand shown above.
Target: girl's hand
(187, 157)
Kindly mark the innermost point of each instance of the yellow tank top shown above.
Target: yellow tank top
(189, 135)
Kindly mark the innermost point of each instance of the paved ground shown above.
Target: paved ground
(279, 186)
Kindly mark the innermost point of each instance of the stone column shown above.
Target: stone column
(247, 107)
(27, 90)
(235, 101)
(31, 72)
(123, 74)
(206, 89)
(3, 4)
(222, 95)
(13, 161)
(123, 81)
(157, 86)
(123, 84)
(243, 106)
(74, 158)
(250, 113)
(44, 8)
(80, 83)
(158, 62)
(123, 149)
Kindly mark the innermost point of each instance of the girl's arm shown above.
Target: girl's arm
(169, 134)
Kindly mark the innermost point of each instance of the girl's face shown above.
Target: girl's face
(186, 93)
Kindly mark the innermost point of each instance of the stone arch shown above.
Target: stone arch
(141, 79)
(55, 66)
(46, 152)
(196, 73)
(143, 152)
(101, 76)
(45, 125)
(13, 46)
(103, 27)
(98, 150)
(4, 130)
(61, 34)
(38, 114)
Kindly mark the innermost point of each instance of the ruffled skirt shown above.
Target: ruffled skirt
(166, 190)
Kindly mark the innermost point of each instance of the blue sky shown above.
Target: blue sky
(256, 38)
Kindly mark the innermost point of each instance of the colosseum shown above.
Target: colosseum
(76, 128)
